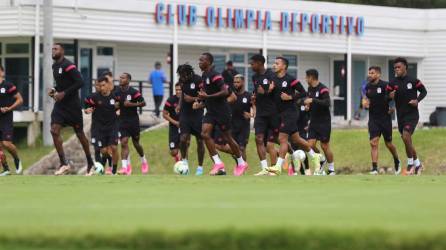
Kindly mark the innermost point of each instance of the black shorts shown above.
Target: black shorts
(288, 122)
(379, 127)
(240, 133)
(267, 125)
(408, 123)
(222, 121)
(129, 128)
(319, 131)
(106, 137)
(6, 129)
(191, 125)
(70, 116)
(174, 137)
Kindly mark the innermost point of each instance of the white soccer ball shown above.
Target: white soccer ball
(181, 168)
(300, 155)
(98, 168)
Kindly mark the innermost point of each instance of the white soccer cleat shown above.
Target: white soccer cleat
(20, 169)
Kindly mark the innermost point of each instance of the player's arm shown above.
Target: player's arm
(188, 98)
(138, 101)
(324, 101)
(422, 89)
(90, 105)
(218, 80)
(18, 101)
(75, 75)
(166, 115)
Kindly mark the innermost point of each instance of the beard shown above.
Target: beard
(55, 57)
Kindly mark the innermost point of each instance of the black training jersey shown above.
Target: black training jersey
(320, 108)
(170, 106)
(212, 82)
(406, 89)
(7, 93)
(191, 89)
(288, 85)
(378, 99)
(265, 105)
(128, 94)
(69, 80)
(240, 106)
(104, 114)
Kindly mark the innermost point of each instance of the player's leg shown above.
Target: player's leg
(58, 142)
(200, 155)
(115, 157)
(4, 163)
(325, 145)
(124, 154)
(374, 142)
(387, 134)
(85, 146)
(12, 149)
(242, 166)
(206, 133)
(407, 140)
(140, 150)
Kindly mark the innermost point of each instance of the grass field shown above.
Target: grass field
(174, 212)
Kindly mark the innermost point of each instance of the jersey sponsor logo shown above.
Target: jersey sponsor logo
(265, 81)
(60, 71)
(245, 100)
(129, 97)
(112, 101)
(409, 85)
(192, 86)
(284, 84)
(208, 81)
(378, 90)
(317, 94)
(2, 90)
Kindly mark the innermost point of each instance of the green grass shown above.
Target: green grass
(186, 212)
(351, 151)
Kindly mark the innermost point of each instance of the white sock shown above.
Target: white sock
(264, 164)
(323, 159)
(240, 160)
(200, 167)
(410, 161)
(417, 162)
(216, 159)
(331, 166)
(143, 159)
(311, 152)
(124, 163)
(279, 162)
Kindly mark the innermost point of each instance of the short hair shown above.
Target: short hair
(128, 75)
(61, 45)
(177, 84)
(102, 79)
(258, 58)
(1, 68)
(375, 68)
(284, 60)
(242, 77)
(107, 73)
(209, 56)
(313, 73)
(400, 60)
(157, 64)
(229, 63)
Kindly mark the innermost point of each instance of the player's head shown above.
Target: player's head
(239, 81)
(312, 76)
(257, 62)
(185, 72)
(280, 64)
(58, 51)
(178, 89)
(2, 71)
(206, 61)
(400, 66)
(229, 65)
(374, 73)
(103, 85)
(124, 79)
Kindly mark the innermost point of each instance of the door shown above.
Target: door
(86, 69)
(339, 88)
(17, 72)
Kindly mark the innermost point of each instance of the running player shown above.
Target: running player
(287, 90)
(318, 102)
(214, 92)
(67, 109)
(404, 89)
(380, 120)
(191, 114)
(170, 114)
(104, 105)
(10, 99)
(130, 100)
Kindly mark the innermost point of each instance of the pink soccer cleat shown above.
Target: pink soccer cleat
(291, 171)
(129, 169)
(108, 171)
(240, 169)
(144, 168)
(122, 171)
(217, 168)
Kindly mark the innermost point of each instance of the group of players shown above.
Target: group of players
(218, 114)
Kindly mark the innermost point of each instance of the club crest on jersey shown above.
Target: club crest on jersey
(409, 85)
(60, 70)
(93, 140)
(378, 90)
(112, 101)
(192, 86)
(317, 94)
(2, 90)
(245, 100)
(208, 81)
(302, 108)
(99, 143)
(172, 145)
(129, 97)
(284, 84)
(265, 81)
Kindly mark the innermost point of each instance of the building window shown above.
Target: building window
(105, 51)
(17, 48)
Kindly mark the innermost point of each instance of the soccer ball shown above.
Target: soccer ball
(98, 168)
(181, 168)
(300, 155)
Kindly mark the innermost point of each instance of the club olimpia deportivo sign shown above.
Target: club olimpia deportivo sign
(290, 21)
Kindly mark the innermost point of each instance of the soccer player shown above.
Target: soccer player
(318, 102)
(214, 93)
(380, 120)
(266, 121)
(404, 89)
(67, 109)
(287, 90)
(170, 114)
(191, 114)
(10, 99)
(104, 105)
(130, 100)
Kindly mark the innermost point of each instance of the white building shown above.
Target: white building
(131, 35)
